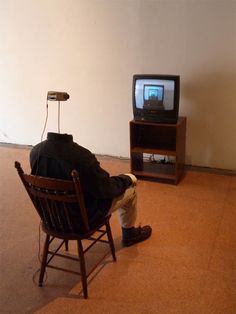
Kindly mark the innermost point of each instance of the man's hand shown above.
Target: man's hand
(133, 178)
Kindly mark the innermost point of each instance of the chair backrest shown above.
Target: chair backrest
(59, 203)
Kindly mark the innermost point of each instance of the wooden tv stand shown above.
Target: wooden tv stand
(151, 141)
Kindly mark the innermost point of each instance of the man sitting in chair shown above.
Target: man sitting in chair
(58, 155)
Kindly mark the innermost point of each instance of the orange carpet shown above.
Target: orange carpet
(187, 266)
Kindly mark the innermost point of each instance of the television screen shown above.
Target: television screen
(156, 97)
(153, 96)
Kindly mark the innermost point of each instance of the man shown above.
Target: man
(57, 156)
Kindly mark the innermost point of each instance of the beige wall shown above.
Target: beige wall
(91, 49)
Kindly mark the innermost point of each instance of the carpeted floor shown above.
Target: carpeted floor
(187, 266)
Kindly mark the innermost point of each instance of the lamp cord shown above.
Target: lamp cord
(45, 123)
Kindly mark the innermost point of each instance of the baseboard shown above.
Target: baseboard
(100, 156)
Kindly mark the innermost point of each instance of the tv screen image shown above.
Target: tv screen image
(156, 97)
(153, 96)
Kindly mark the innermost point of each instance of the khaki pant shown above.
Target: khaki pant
(126, 204)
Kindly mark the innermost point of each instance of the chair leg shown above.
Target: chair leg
(44, 260)
(66, 245)
(110, 239)
(82, 268)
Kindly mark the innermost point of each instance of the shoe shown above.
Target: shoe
(138, 235)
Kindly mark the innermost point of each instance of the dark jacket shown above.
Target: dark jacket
(57, 156)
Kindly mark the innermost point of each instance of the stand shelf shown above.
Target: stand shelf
(166, 140)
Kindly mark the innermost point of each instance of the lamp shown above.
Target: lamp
(58, 96)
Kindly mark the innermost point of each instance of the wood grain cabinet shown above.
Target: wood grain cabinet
(166, 141)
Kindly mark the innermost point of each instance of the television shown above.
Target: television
(156, 97)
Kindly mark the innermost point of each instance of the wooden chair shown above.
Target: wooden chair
(53, 198)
